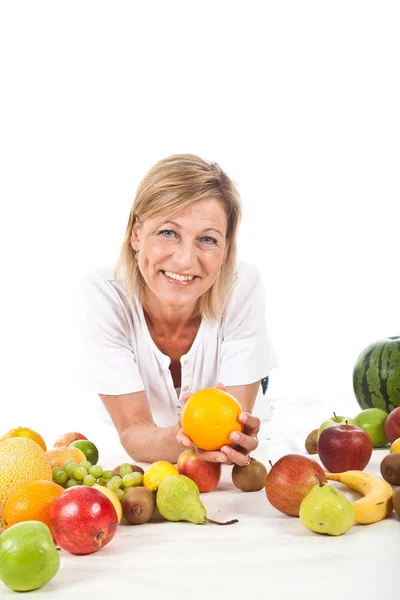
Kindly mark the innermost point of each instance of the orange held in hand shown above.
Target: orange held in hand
(209, 416)
(31, 501)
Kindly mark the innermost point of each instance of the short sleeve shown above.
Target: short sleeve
(108, 364)
(247, 353)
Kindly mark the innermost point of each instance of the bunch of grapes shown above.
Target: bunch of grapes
(85, 473)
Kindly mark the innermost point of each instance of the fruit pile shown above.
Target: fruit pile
(63, 499)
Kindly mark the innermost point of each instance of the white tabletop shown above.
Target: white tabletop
(266, 554)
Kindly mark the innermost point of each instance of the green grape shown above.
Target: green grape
(88, 480)
(96, 471)
(107, 474)
(101, 481)
(56, 470)
(67, 462)
(60, 477)
(133, 479)
(71, 483)
(85, 464)
(125, 469)
(120, 493)
(80, 473)
(71, 469)
(114, 483)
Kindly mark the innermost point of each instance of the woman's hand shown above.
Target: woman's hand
(244, 441)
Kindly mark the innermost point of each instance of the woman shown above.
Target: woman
(179, 314)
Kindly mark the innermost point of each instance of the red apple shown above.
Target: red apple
(392, 425)
(206, 475)
(67, 438)
(344, 448)
(290, 480)
(82, 520)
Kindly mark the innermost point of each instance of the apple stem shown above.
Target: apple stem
(321, 484)
(336, 419)
(219, 522)
(270, 463)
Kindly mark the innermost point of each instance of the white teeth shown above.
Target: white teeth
(178, 277)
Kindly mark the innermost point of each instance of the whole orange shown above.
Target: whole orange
(209, 416)
(27, 433)
(31, 501)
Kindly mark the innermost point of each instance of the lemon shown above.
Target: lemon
(156, 474)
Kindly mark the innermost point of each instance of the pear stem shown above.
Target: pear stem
(219, 522)
(321, 484)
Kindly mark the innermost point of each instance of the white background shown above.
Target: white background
(297, 101)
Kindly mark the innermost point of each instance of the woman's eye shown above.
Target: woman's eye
(167, 233)
(208, 239)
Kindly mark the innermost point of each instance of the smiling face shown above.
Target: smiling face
(179, 259)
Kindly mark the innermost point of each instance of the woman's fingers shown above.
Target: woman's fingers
(183, 439)
(251, 424)
(247, 442)
(220, 386)
(235, 456)
(214, 456)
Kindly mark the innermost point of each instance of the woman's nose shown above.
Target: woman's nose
(185, 254)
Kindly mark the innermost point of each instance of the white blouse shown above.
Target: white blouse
(120, 356)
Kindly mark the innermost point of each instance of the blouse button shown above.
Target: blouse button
(185, 362)
(185, 389)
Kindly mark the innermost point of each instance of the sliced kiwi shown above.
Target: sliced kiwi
(135, 468)
(390, 468)
(250, 478)
(396, 501)
(138, 505)
(311, 443)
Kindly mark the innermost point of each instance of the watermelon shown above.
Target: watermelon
(376, 375)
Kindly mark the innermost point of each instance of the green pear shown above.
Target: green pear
(28, 556)
(178, 499)
(325, 510)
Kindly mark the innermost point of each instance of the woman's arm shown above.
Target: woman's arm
(142, 439)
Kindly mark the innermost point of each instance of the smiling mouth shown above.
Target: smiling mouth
(179, 278)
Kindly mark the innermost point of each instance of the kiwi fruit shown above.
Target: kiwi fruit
(390, 468)
(396, 501)
(311, 443)
(250, 478)
(135, 468)
(138, 505)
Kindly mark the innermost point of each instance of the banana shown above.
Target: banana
(377, 503)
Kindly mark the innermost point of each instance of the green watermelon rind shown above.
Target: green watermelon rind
(376, 375)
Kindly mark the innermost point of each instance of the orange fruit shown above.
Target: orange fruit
(209, 416)
(31, 501)
(27, 433)
(21, 460)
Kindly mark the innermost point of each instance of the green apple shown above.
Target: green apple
(325, 510)
(335, 420)
(28, 556)
(372, 421)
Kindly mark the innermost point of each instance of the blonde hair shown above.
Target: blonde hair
(170, 186)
